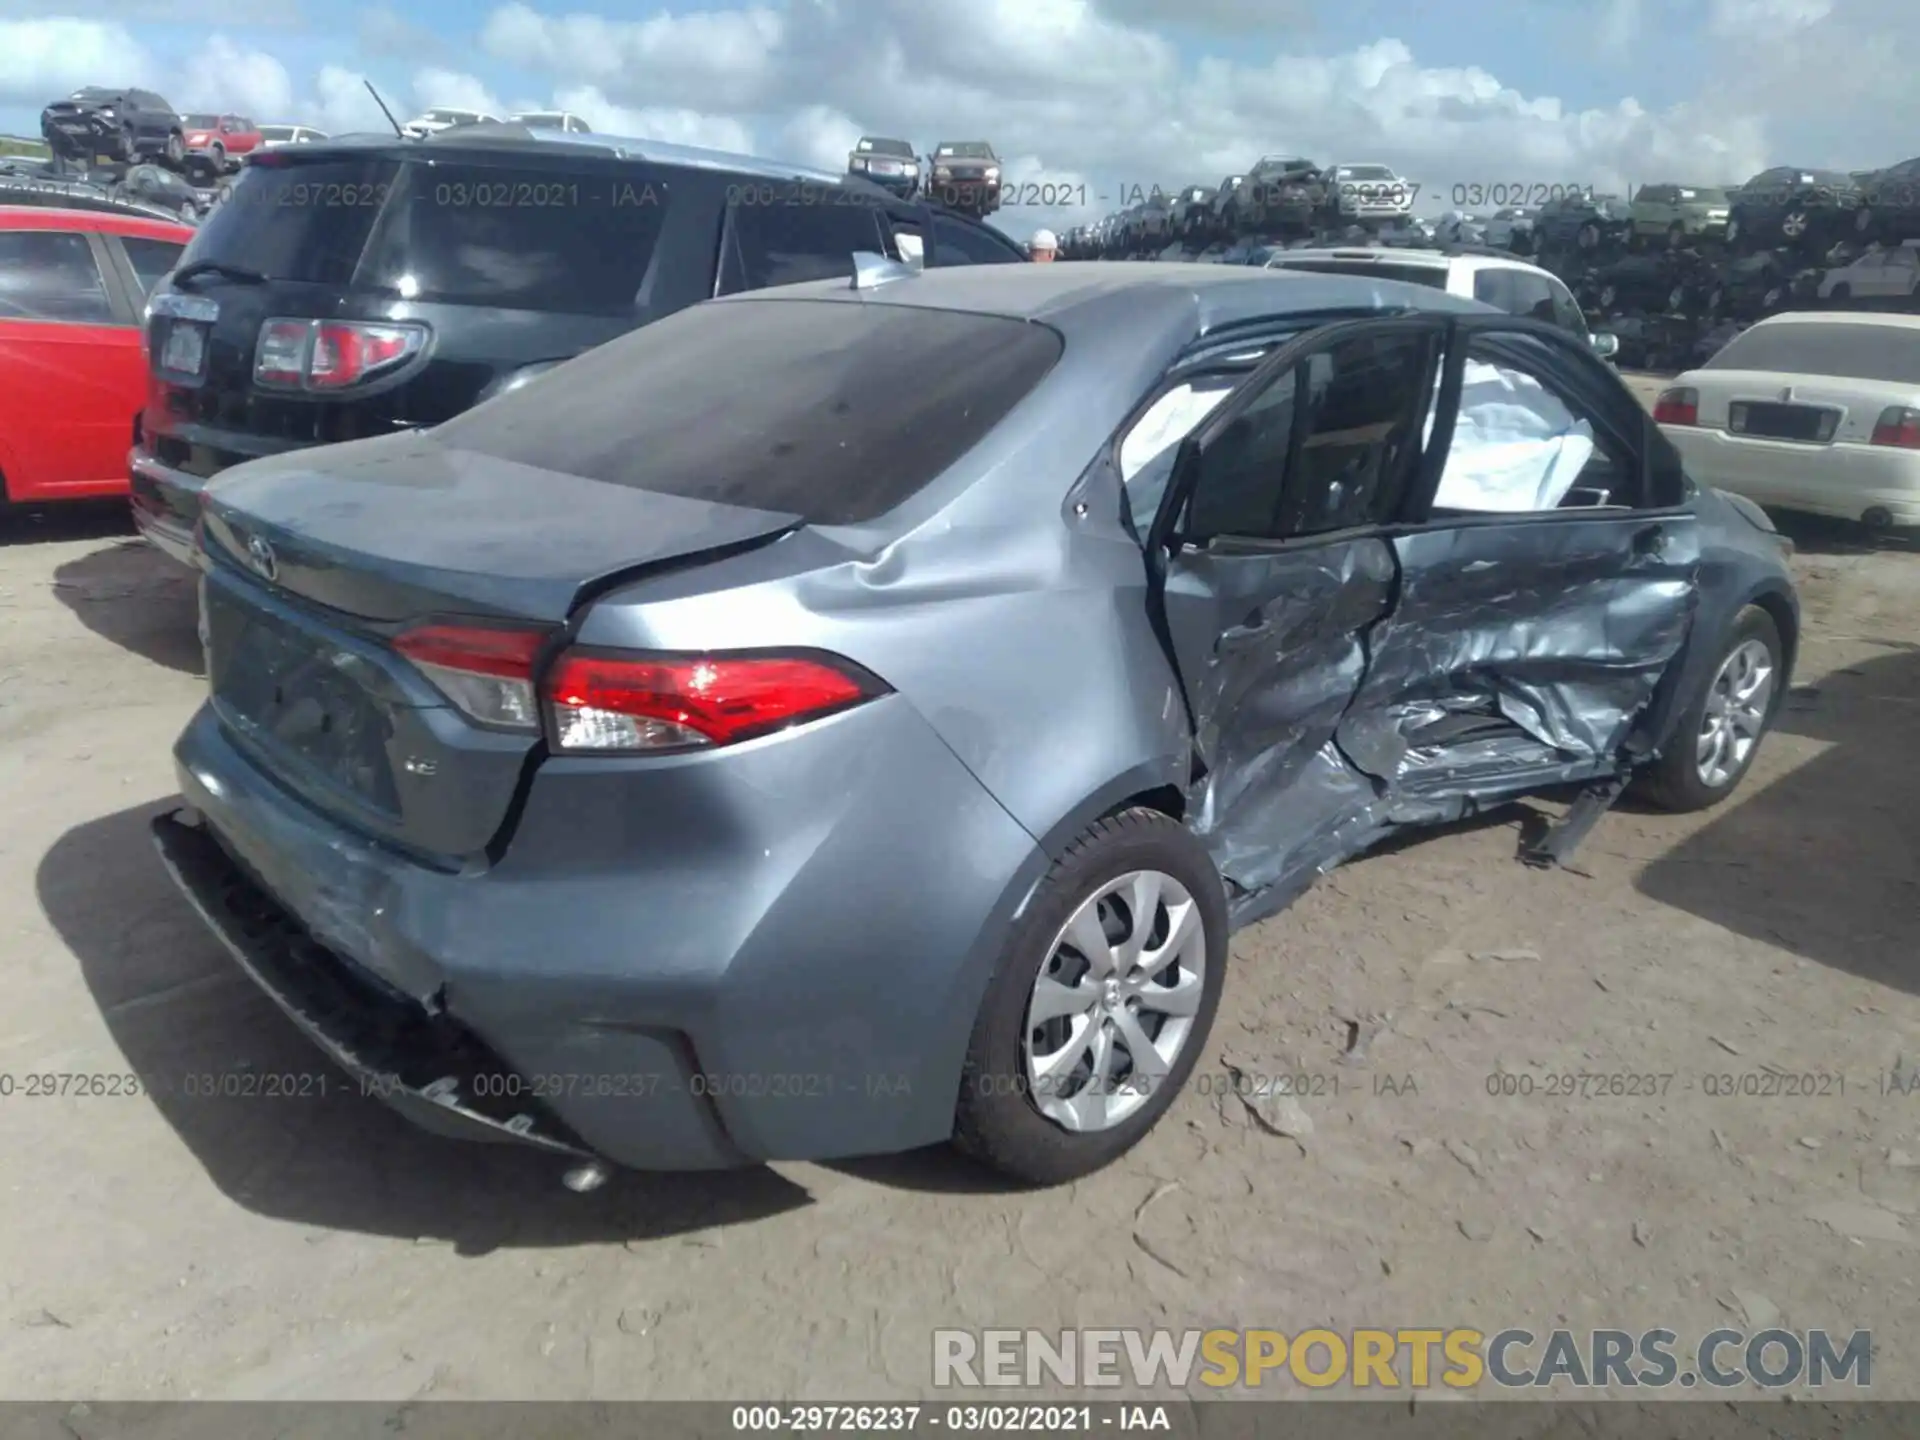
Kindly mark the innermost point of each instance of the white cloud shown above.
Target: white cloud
(818, 135)
(677, 127)
(718, 60)
(341, 104)
(42, 60)
(455, 90)
(220, 75)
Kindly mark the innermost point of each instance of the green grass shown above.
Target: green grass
(15, 145)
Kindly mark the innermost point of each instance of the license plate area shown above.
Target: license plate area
(1766, 420)
(299, 696)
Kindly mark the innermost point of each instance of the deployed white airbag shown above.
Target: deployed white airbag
(1515, 446)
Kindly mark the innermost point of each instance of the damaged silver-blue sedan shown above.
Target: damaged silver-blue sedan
(853, 716)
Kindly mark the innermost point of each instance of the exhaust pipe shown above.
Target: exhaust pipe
(583, 1179)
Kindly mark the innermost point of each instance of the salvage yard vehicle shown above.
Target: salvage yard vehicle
(1193, 212)
(1814, 411)
(966, 176)
(41, 187)
(1759, 284)
(1509, 285)
(433, 122)
(1674, 282)
(121, 124)
(1788, 205)
(1509, 228)
(1366, 193)
(219, 142)
(72, 375)
(1889, 273)
(1262, 568)
(292, 324)
(551, 120)
(1677, 215)
(888, 163)
(1583, 222)
(1889, 203)
(272, 135)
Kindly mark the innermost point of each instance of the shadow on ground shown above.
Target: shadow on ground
(1769, 866)
(179, 1011)
(131, 594)
(1823, 535)
(69, 520)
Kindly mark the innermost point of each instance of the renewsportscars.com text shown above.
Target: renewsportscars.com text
(1456, 1359)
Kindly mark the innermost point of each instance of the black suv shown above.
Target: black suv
(890, 164)
(351, 288)
(125, 125)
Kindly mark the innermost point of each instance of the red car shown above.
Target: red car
(216, 142)
(73, 369)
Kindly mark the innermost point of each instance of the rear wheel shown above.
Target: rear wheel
(176, 148)
(1101, 1005)
(1714, 743)
(129, 144)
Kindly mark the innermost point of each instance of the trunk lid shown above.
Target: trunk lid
(1788, 407)
(313, 569)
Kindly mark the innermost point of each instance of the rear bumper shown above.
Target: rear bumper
(783, 961)
(1843, 481)
(166, 504)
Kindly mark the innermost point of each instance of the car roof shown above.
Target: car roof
(1841, 317)
(1070, 291)
(45, 217)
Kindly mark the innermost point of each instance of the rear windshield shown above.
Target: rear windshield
(276, 132)
(576, 240)
(1434, 277)
(832, 411)
(1854, 352)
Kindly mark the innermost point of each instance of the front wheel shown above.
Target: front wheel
(1714, 743)
(1101, 1004)
(176, 148)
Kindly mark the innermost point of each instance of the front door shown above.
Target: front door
(1410, 564)
(1274, 563)
(1546, 580)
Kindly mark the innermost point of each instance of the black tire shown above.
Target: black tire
(219, 158)
(1676, 235)
(995, 1120)
(129, 145)
(176, 148)
(1673, 781)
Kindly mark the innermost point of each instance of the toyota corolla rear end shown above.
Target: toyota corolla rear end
(530, 790)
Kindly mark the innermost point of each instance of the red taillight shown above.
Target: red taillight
(603, 701)
(1679, 405)
(487, 672)
(612, 701)
(332, 354)
(1898, 426)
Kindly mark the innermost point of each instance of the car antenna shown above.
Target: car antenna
(383, 108)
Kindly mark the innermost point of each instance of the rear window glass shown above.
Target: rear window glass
(832, 411)
(1854, 352)
(787, 241)
(574, 240)
(1434, 277)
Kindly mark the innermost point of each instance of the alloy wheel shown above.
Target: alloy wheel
(1114, 1002)
(1737, 706)
(1795, 225)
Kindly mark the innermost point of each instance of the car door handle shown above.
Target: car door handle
(1650, 541)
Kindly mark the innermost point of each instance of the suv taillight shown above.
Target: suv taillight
(1679, 405)
(616, 701)
(1899, 426)
(332, 354)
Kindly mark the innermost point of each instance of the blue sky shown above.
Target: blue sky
(1109, 93)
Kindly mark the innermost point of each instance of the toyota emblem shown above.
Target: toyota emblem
(260, 556)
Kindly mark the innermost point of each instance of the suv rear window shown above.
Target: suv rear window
(813, 419)
(1854, 352)
(575, 240)
(786, 241)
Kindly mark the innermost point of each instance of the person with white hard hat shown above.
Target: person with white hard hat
(1044, 246)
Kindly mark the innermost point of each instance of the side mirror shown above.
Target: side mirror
(1605, 344)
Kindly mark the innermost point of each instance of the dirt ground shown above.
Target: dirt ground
(164, 1246)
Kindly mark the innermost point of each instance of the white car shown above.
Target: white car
(1367, 192)
(1509, 229)
(432, 122)
(551, 120)
(275, 135)
(1510, 285)
(1894, 271)
(1817, 411)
